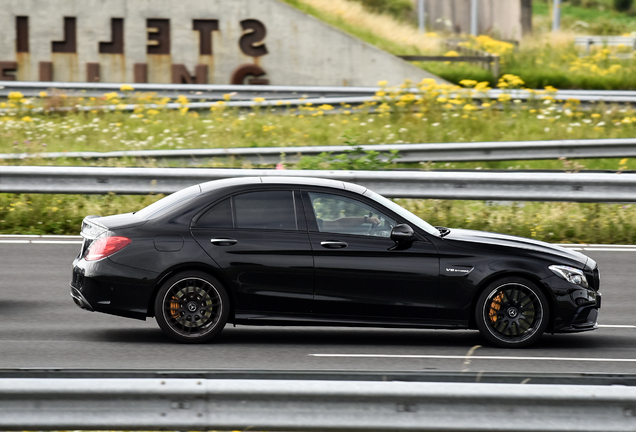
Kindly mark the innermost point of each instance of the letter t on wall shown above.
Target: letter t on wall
(205, 29)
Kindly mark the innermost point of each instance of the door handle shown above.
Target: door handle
(333, 244)
(223, 241)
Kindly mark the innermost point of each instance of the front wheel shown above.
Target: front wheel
(192, 307)
(512, 313)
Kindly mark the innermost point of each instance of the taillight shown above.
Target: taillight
(106, 246)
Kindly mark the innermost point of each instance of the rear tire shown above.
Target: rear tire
(512, 313)
(192, 307)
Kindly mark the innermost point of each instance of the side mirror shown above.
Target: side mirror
(402, 233)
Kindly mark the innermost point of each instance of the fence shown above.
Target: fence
(431, 152)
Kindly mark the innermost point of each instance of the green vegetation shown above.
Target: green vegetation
(399, 9)
(597, 17)
(553, 222)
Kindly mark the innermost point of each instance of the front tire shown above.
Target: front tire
(192, 307)
(512, 313)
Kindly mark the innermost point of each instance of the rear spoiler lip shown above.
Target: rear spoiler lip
(88, 222)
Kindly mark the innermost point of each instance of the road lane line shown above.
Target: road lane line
(463, 357)
(55, 242)
(617, 325)
(607, 249)
(39, 242)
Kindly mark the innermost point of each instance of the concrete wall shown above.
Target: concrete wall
(505, 19)
(290, 47)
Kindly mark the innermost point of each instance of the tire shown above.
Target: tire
(192, 307)
(512, 313)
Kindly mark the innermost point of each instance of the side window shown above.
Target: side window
(219, 216)
(266, 210)
(342, 215)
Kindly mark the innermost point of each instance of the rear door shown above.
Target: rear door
(258, 239)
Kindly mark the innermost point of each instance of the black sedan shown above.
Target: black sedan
(301, 251)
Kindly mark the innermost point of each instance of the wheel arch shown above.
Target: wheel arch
(520, 274)
(183, 267)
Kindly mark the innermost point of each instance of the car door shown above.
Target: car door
(360, 271)
(263, 247)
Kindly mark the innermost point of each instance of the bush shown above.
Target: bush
(623, 5)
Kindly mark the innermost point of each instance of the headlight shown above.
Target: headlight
(570, 274)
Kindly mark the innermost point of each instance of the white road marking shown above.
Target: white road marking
(608, 249)
(616, 326)
(463, 357)
(41, 236)
(15, 241)
(55, 242)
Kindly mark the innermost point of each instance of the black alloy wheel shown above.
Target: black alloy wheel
(512, 313)
(192, 307)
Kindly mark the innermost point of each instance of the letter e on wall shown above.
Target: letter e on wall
(158, 36)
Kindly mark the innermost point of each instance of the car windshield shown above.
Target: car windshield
(415, 220)
(168, 202)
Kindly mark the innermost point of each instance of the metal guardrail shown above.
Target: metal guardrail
(193, 91)
(293, 95)
(433, 152)
(467, 185)
(204, 404)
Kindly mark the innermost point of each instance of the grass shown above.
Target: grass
(431, 115)
(553, 222)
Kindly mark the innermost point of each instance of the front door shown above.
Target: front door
(359, 270)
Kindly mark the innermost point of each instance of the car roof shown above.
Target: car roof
(283, 180)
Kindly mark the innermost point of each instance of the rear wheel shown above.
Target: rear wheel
(512, 313)
(192, 307)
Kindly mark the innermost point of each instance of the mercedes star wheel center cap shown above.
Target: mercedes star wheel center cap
(512, 312)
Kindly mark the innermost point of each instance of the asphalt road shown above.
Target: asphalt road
(40, 327)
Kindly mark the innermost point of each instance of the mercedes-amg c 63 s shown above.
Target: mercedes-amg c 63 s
(306, 251)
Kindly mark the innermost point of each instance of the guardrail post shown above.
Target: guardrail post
(495, 66)
(556, 16)
(421, 15)
(474, 17)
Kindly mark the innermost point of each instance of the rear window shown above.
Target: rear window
(165, 204)
(266, 210)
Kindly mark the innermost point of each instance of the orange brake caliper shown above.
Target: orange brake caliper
(495, 305)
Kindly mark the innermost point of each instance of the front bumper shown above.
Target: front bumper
(575, 308)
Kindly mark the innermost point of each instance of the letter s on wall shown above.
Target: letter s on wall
(251, 42)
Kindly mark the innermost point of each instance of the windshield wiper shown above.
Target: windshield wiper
(443, 231)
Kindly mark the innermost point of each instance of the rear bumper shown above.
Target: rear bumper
(108, 287)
